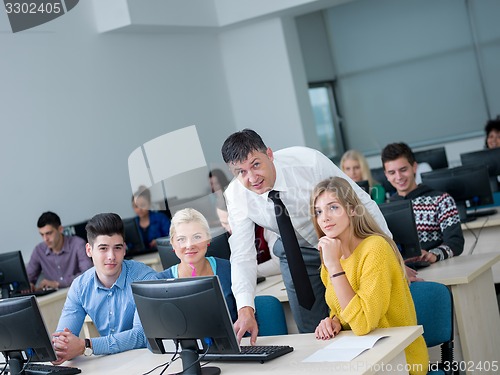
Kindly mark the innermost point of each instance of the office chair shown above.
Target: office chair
(270, 316)
(434, 307)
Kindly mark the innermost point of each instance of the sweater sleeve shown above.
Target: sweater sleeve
(449, 221)
(371, 301)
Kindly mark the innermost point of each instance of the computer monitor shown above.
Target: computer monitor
(13, 276)
(23, 334)
(490, 158)
(365, 185)
(219, 248)
(401, 222)
(378, 175)
(133, 239)
(468, 185)
(435, 157)
(77, 229)
(190, 311)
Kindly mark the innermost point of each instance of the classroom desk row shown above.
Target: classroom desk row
(386, 356)
(487, 231)
(477, 334)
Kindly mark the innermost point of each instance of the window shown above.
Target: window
(327, 120)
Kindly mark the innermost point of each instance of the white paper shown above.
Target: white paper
(344, 349)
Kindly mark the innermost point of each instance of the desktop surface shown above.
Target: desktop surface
(384, 351)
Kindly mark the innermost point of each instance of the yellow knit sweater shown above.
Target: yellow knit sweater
(382, 296)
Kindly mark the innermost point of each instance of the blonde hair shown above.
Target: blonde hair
(366, 174)
(362, 224)
(189, 215)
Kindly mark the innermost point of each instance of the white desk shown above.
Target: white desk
(51, 307)
(152, 260)
(387, 353)
(476, 309)
(488, 228)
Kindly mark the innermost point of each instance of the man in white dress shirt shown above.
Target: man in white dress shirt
(294, 172)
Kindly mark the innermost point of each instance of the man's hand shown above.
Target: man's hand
(67, 346)
(48, 284)
(246, 323)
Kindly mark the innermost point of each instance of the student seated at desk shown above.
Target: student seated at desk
(492, 130)
(436, 214)
(59, 258)
(104, 293)
(190, 238)
(354, 164)
(362, 270)
(151, 224)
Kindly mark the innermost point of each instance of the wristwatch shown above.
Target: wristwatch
(88, 348)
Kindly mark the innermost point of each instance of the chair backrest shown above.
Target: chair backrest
(270, 316)
(434, 308)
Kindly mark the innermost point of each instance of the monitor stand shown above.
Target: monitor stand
(191, 364)
(16, 366)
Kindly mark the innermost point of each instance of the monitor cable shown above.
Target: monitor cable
(476, 236)
(166, 364)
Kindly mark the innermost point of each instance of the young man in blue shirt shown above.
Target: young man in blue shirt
(104, 293)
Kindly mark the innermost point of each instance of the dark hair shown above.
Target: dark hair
(142, 192)
(48, 218)
(106, 224)
(490, 126)
(220, 176)
(394, 151)
(238, 145)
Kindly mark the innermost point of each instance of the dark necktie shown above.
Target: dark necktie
(305, 294)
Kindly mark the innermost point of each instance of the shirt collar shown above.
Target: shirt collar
(119, 283)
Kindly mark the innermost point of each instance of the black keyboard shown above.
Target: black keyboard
(37, 293)
(418, 264)
(43, 369)
(252, 353)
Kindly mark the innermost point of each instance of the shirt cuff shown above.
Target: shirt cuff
(245, 299)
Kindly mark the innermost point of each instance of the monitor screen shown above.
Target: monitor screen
(77, 229)
(365, 185)
(23, 334)
(190, 311)
(435, 157)
(133, 239)
(401, 222)
(219, 248)
(13, 276)
(490, 158)
(468, 185)
(378, 175)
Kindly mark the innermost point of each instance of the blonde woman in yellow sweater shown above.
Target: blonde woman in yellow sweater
(362, 269)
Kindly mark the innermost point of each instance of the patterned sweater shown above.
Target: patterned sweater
(438, 223)
(382, 296)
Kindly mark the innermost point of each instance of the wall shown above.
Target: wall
(74, 104)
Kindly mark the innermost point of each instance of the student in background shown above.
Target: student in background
(104, 294)
(218, 180)
(436, 213)
(354, 164)
(492, 130)
(268, 264)
(151, 224)
(190, 238)
(59, 258)
(362, 270)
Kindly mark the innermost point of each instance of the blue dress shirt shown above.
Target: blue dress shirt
(112, 309)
